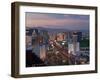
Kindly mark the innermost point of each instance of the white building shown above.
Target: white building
(73, 48)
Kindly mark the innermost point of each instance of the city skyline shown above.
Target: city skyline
(54, 49)
(56, 39)
(57, 21)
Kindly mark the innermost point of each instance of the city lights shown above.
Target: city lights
(59, 48)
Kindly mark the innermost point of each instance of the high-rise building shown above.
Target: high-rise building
(45, 36)
(52, 36)
(40, 40)
(42, 52)
(85, 35)
(75, 42)
(61, 36)
(35, 43)
(34, 36)
(73, 45)
(28, 42)
(79, 36)
(73, 48)
(69, 36)
(65, 36)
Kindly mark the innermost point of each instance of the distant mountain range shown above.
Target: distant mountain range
(55, 29)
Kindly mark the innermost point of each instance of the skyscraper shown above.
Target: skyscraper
(73, 45)
(42, 52)
(35, 43)
(61, 36)
(79, 36)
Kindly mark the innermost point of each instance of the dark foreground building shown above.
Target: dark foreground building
(32, 59)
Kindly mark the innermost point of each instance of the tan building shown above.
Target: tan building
(52, 37)
(43, 52)
(61, 36)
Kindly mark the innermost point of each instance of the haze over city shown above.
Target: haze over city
(59, 21)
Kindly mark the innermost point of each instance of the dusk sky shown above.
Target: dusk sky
(62, 21)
